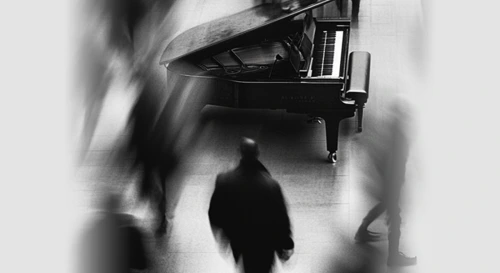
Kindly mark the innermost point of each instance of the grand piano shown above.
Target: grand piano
(269, 57)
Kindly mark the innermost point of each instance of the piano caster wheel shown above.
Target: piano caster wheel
(316, 120)
(360, 130)
(332, 157)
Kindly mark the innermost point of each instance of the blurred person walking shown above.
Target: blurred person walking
(248, 211)
(154, 149)
(387, 152)
(163, 131)
(107, 39)
(163, 121)
(113, 243)
(354, 11)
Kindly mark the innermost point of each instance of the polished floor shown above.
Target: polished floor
(326, 202)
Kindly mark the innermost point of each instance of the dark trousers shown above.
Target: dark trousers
(390, 206)
(258, 262)
(154, 184)
(355, 8)
(255, 260)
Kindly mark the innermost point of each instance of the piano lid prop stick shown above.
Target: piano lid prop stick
(276, 58)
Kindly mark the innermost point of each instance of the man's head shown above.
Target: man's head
(249, 149)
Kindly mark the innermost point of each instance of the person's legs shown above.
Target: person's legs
(162, 206)
(167, 187)
(373, 214)
(396, 258)
(363, 235)
(394, 222)
(258, 261)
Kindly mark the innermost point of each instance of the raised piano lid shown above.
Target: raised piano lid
(217, 31)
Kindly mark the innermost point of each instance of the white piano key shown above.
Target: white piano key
(325, 35)
(337, 54)
(335, 59)
(309, 72)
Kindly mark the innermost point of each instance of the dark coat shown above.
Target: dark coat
(113, 244)
(249, 207)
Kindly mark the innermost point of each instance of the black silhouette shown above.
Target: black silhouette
(249, 209)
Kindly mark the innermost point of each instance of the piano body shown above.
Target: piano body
(268, 58)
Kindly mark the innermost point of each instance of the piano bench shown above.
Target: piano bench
(359, 76)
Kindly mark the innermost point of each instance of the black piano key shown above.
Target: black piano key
(324, 53)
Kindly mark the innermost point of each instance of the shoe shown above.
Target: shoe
(401, 260)
(364, 236)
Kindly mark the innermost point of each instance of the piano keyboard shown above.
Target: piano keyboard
(327, 54)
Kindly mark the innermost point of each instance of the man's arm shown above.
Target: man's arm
(216, 209)
(218, 217)
(285, 243)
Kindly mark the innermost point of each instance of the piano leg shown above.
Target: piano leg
(332, 121)
(360, 117)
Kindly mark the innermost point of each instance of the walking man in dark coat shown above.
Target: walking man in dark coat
(249, 210)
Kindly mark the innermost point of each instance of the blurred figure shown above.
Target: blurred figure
(387, 152)
(93, 66)
(114, 243)
(354, 11)
(249, 211)
(124, 16)
(153, 144)
(107, 39)
(164, 119)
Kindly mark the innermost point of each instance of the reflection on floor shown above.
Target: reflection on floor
(325, 201)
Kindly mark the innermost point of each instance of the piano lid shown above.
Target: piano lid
(217, 31)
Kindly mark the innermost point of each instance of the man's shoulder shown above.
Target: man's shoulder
(273, 183)
(225, 174)
(225, 177)
(235, 174)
